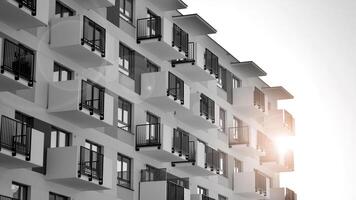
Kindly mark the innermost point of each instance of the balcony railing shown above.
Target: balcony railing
(211, 63)
(207, 108)
(94, 35)
(239, 135)
(180, 142)
(29, 4)
(16, 137)
(212, 158)
(6, 198)
(149, 28)
(205, 197)
(260, 183)
(190, 57)
(259, 99)
(155, 174)
(180, 39)
(91, 164)
(19, 61)
(148, 135)
(92, 98)
(175, 88)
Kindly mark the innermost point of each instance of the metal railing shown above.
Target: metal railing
(148, 135)
(94, 35)
(212, 158)
(175, 88)
(259, 99)
(155, 174)
(2, 197)
(29, 4)
(206, 197)
(180, 142)
(190, 57)
(288, 120)
(207, 108)
(19, 61)
(91, 164)
(149, 28)
(239, 135)
(211, 63)
(92, 98)
(15, 136)
(180, 39)
(260, 183)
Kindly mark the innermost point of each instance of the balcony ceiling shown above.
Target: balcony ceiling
(249, 69)
(194, 24)
(277, 92)
(168, 5)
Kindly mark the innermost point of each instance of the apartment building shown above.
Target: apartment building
(132, 100)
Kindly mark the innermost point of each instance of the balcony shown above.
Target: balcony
(20, 145)
(162, 37)
(93, 4)
(81, 102)
(254, 185)
(79, 168)
(249, 69)
(278, 162)
(17, 66)
(162, 142)
(202, 160)
(170, 187)
(6, 198)
(283, 194)
(250, 101)
(245, 140)
(82, 40)
(201, 197)
(202, 113)
(165, 91)
(192, 66)
(22, 14)
(169, 5)
(279, 123)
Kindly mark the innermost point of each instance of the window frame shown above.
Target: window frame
(221, 197)
(58, 131)
(221, 79)
(129, 117)
(222, 120)
(93, 144)
(56, 195)
(122, 13)
(202, 191)
(223, 159)
(130, 53)
(236, 80)
(238, 166)
(70, 73)
(24, 188)
(70, 11)
(129, 171)
(151, 65)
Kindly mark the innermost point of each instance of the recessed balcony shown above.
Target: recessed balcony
(163, 38)
(20, 145)
(192, 66)
(93, 4)
(82, 40)
(254, 185)
(202, 160)
(165, 91)
(202, 112)
(79, 168)
(170, 187)
(277, 161)
(283, 194)
(245, 140)
(279, 123)
(162, 142)
(250, 101)
(84, 103)
(22, 14)
(17, 66)
(200, 197)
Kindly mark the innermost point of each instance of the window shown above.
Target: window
(61, 73)
(93, 147)
(152, 67)
(238, 166)
(236, 82)
(221, 197)
(223, 163)
(24, 118)
(59, 138)
(53, 196)
(203, 191)
(124, 113)
(126, 60)
(222, 120)
(63, 10)
(221, 78)
(123, 171)
(126, 9)
(19, 191)
(236, 123)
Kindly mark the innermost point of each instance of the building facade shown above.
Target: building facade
(132, 100)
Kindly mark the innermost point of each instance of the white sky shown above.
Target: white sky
(306, 46)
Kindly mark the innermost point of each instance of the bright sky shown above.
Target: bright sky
(306, 46)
